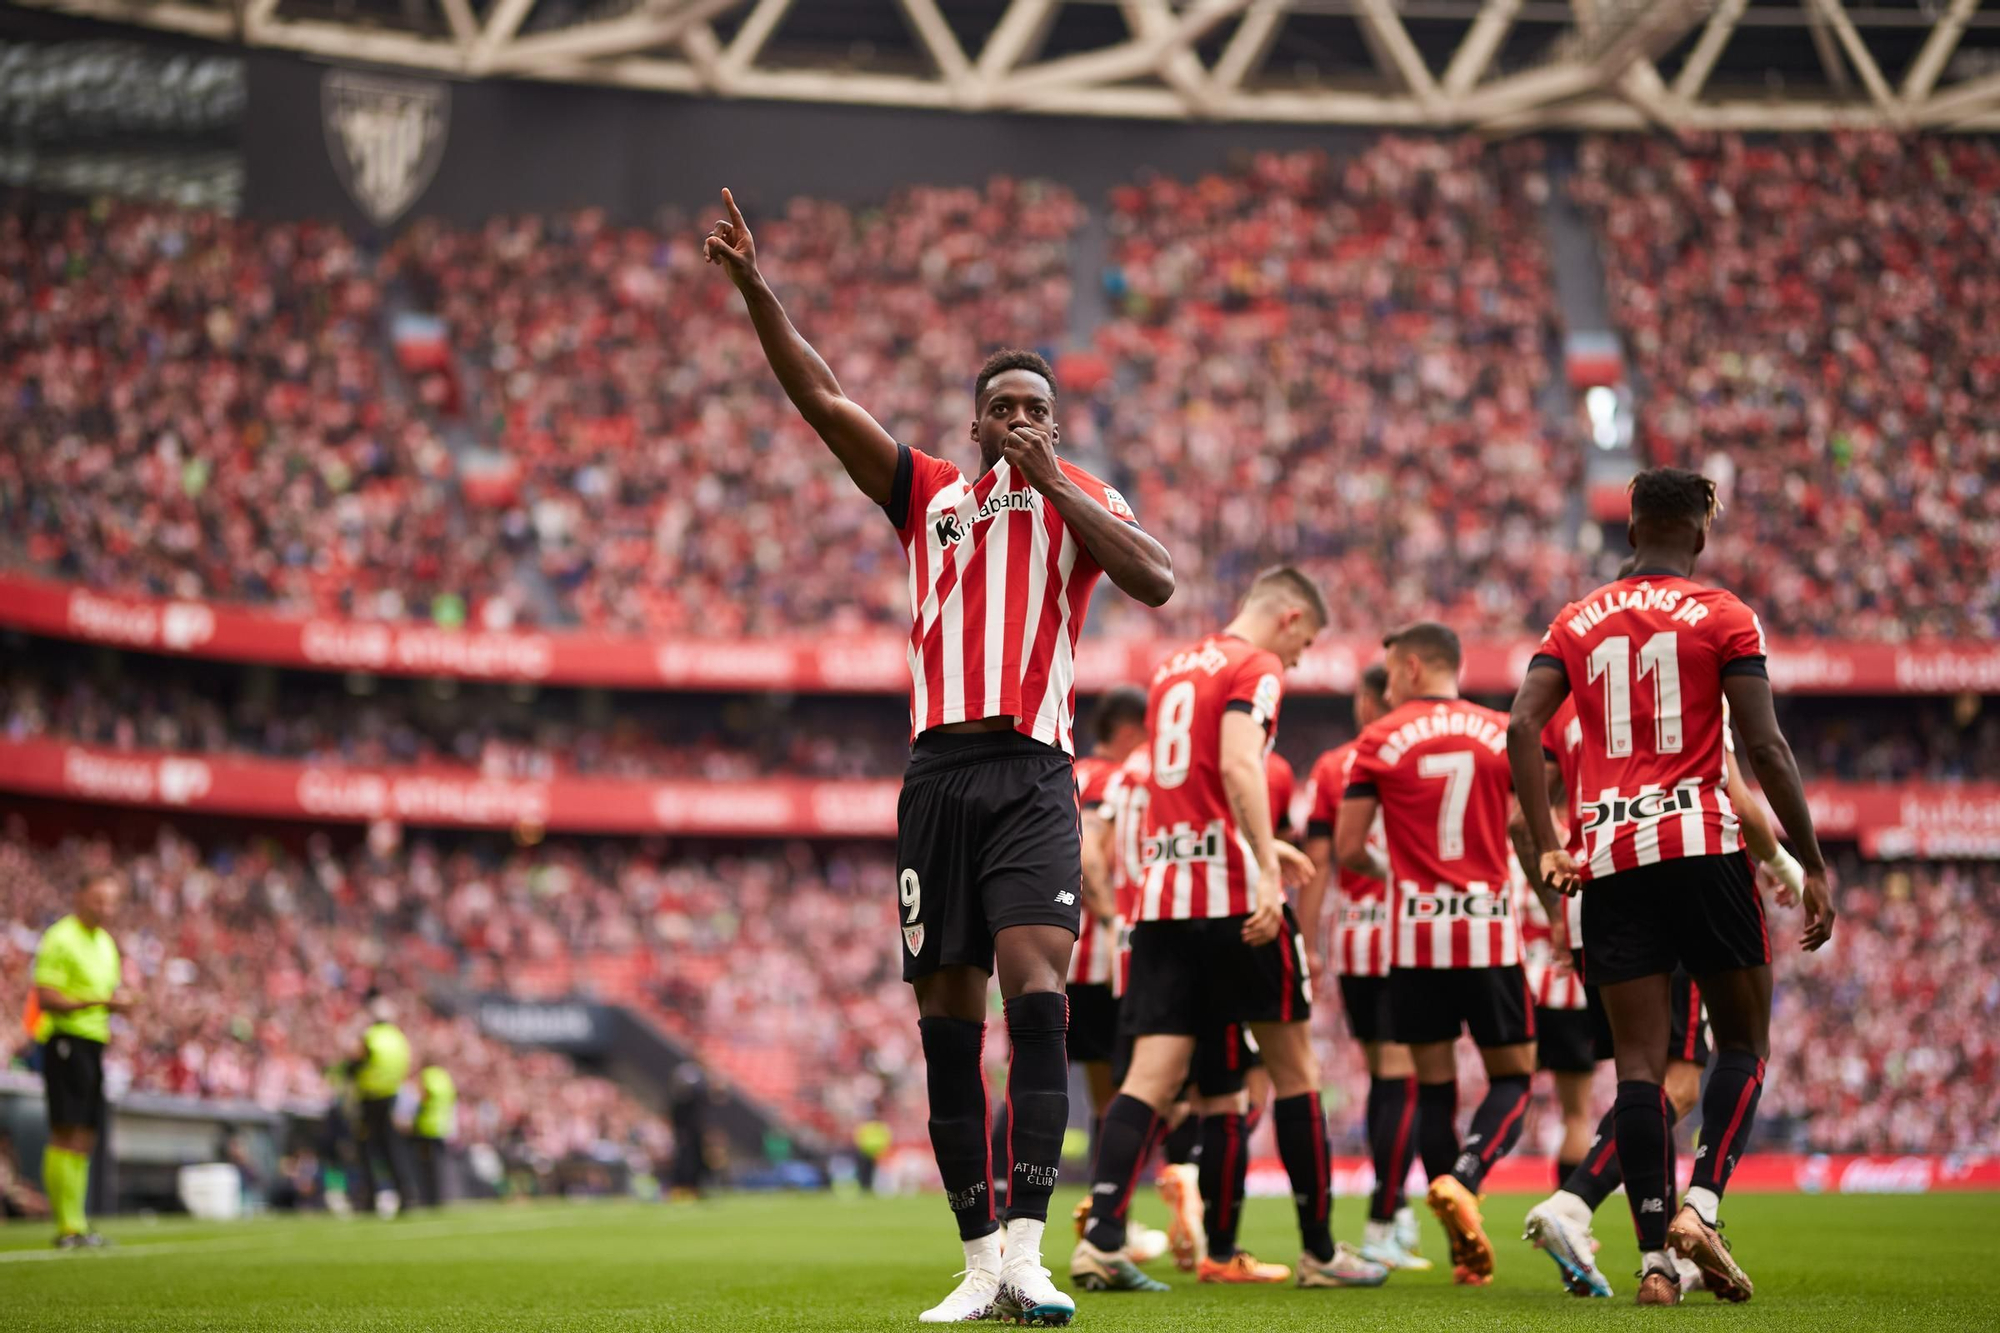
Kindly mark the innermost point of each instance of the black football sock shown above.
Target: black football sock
(1728, 1111)
(1646, 1155)
(953, 1048)
(1121, 1143)
(1037, 1100)
(1224, 1141)
(1496, 1127)
(1301, 1128)
(1563, 1169)
(1392, 1113)
(1239, 1183)
(1437, 1127)
(1182, 1140)
(1593, 1179)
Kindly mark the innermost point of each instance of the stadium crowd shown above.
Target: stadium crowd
(1339, 361)
(670, 486)
(1810, 318)
(1889, 1045)
(1340, 364)
(774, 963)
(198, 406)
(252, 965)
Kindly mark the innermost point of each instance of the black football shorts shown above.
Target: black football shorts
(73, 1078)
(1093, 1023)
(1565, 1040)
(1701, 913)
(1430, 1004)
(1366, 1000)
(1687, 1035)
(987, 837)
(1189, 977)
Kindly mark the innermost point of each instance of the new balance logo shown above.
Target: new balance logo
(1652, 1205)
(1066, 898)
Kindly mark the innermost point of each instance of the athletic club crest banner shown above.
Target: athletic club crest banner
(386, 137)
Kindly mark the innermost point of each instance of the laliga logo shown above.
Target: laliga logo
(185, 625)
(184, 780)
(1641, 809)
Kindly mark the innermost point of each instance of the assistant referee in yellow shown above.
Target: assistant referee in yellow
(78, 979)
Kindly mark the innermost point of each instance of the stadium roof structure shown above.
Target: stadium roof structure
(1497, 66)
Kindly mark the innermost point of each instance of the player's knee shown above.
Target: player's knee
(1389, 1059)
(1510, 1061)
(1756, 1044)
(1683, 1084)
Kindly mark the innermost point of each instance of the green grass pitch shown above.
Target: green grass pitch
(813, 1262)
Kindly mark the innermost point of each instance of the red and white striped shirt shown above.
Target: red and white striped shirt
(1645, 658)
(998, 589)
(1360, 904)
(1090, 961)
(1439, 768)
(1197, 863)
(1126, 795)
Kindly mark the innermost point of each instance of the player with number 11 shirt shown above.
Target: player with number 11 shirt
(1649, 660)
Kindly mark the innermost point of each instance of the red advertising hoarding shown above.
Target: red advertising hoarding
(871, 663)
(1921, 819)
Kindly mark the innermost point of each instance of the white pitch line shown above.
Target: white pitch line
(408, 1231)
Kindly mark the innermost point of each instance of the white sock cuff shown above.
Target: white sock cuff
(1705, 1204)
(984, 1253)
(1024, 1236)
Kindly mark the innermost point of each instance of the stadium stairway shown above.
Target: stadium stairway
(651, 1042)
(1585, 308)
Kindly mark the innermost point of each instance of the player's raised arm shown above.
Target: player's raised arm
(856, 438)
(1541, 693)
(1778, 774)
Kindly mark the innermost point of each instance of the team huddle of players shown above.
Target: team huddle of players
(1185, 876)
(1193, 969)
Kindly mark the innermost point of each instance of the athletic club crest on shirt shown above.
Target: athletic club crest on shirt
(913, 936)
(386, 137)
